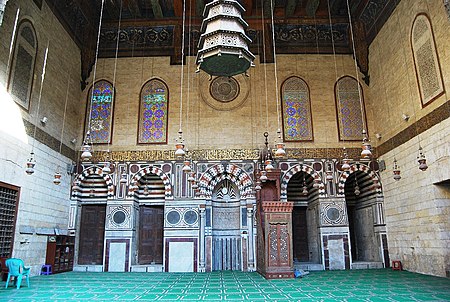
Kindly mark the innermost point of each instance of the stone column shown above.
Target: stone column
(201, 240)
(251, 254)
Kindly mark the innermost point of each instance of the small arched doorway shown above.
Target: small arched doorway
(360, 198)
(150, 197)
(301, 191)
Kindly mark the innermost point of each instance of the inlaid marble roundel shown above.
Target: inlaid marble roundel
(333, 214)
(119, 217)
(224, 89)
(173, 217)
(190, 217)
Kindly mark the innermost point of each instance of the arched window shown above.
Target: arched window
(426, 60)
(296, 108)
(351, 115)
(22, 66)
(154, 103)
(99, 113)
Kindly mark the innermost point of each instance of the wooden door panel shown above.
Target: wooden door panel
(300, 234)
(151, 227)
(92, 234)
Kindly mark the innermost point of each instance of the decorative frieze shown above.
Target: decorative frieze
(307, 34)
(219, 154)
(132, 36)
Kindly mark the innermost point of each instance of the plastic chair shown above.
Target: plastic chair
(18, 270)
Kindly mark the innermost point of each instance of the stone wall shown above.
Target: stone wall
(417, 206)
(43, 206)
(205, 127)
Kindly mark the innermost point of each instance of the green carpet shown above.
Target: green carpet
(355, 285)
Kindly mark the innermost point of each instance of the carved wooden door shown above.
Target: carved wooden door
(92, 234)
(300, 234)
(151, 227)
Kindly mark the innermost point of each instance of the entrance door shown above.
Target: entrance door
(92, 233)
(300, 235)
(151, 227)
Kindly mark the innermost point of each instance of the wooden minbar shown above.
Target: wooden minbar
(274, 231)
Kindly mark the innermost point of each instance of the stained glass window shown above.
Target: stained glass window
(153, 113)
(426, 60)
(100, 112)
(350, 109)
(296, 106)
(22, 71)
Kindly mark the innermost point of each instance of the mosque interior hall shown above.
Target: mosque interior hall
(242, 139)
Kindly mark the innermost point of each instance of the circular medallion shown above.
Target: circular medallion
(224, 89)
(119, 217)
(190, 217)
(333, 214)
(224, 93)
(173, 217)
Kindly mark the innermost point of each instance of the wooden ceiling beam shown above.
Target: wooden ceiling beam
(268, 6)
(311, 7)
(199, 7)
(134, 8)
(178, 8)
(248, 5)
(157, 10)
(291, 5)
(112, 9)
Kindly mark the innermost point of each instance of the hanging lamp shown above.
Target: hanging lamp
(329, 173)
(345, 161)
(357, 191)
(269, 167)
(396, 170)
(305, 187)
(365, 153)
(191, 177)
(186, 168)
(57, 178)
(422, 160)
(76, 186)
(258, 185)
(146, 190)
(263, 176)
(107, 168)
(179, 152)
(30, 164)
(223, 44)
(86, 149)
(279, 152)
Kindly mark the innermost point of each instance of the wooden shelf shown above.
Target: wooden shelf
(60, 251)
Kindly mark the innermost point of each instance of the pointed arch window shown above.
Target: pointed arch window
(351, 114)
(99, 117)
(426, 60)
(153, 108)
(22, 66)
(296, 110)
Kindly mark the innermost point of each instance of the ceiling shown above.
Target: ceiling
(154, 27)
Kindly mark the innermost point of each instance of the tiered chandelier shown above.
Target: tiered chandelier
(223, 49)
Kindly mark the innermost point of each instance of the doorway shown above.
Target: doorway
(151, 231)
(92, 234)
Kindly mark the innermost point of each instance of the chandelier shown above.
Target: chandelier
(223, 46)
